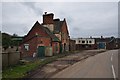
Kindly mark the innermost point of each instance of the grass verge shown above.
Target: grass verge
(20, 71)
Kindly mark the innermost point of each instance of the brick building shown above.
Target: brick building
(72, 45)
(107, 43)
(97, 43)
(51, 33)
(58, 28)
(85, 43)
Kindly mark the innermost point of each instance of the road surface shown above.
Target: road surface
(103, 65)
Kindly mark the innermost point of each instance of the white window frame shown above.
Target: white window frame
(26, 46)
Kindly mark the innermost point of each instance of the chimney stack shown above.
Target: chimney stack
(48, 18)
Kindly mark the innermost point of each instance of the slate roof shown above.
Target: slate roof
(57, 26)
(108, 40)
(54, 38)
(118, 40)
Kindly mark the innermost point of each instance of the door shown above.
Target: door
(101, 45)
(60, 48)
(41, 51)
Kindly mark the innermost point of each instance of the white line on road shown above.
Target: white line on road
(111, 58)
(113, 71)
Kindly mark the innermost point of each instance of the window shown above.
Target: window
(83, 41)
(26, 46)
(90, 41)
(63, 35)
(87, 41)
(79, 41)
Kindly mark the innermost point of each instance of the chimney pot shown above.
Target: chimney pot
(45, 12)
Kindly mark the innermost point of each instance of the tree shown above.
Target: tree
(6, 40)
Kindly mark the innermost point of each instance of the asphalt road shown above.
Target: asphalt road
(103, 65)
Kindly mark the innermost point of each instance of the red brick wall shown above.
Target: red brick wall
(64, 27)
(72, 45)
(36, 30)
(65, 35)
(46, 41)
(83, 47)
(110, 46)
(32, 48)
(33, 44)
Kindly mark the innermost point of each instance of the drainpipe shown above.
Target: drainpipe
(51, 42)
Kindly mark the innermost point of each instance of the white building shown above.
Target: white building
(88, 41)
(84, 43)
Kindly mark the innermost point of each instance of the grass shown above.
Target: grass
(20, 71)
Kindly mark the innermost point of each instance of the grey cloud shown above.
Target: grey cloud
(32, 6)
(21, 29)
(84, 19)
(17, 18)
(0, 16)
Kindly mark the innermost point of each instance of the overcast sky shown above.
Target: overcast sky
(84, 19)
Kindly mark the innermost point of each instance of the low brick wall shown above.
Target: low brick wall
(10, 58)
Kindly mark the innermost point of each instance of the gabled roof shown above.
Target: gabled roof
(37, 24)
(66, 25)
(44, 29)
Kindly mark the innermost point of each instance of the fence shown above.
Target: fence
(10, 58)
